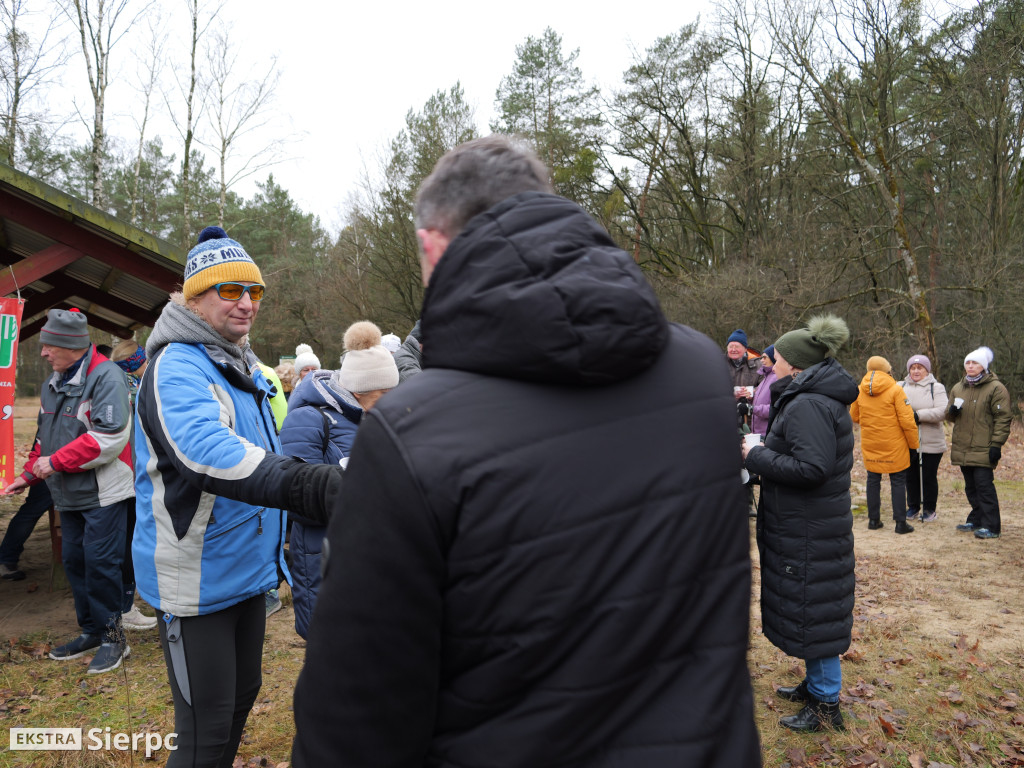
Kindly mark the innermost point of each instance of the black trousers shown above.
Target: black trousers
(923, 479)
(898, 489)
(214, 664)
(981, 493)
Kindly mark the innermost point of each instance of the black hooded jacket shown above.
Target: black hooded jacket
(805, 524)
(543, 556)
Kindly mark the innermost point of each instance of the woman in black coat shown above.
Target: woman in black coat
(805, 524)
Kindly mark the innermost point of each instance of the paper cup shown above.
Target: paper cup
(958, 402)
(752, 439)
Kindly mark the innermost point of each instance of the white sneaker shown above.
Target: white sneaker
(136, 619)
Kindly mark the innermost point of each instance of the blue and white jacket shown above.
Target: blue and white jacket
(204, 430)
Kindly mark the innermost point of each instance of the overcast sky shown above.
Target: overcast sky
(351, 71)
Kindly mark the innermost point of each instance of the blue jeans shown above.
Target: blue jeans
(824, 678)
(93, 548)
(23, 522)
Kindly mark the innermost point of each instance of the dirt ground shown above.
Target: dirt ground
(936, 583)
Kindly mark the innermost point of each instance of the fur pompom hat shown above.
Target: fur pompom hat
(822, 338)
(366, 364)
(982, 355)
(305, 357)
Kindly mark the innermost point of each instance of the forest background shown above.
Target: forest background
(779, 159)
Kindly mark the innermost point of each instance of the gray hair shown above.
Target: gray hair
(474, 177)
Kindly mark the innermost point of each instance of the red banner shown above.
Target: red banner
(10, 327)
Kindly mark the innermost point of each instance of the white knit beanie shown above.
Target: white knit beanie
(391, 342)
(305, 357)
(366, 365)
(982, 355)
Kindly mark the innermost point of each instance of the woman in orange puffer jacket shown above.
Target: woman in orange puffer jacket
(888, 431)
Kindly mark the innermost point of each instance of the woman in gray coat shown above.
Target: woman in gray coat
(928, 399)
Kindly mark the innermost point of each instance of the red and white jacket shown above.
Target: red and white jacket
(84, 426)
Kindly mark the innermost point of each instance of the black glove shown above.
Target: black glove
(995, 453)
(743, 408)
(954, 410)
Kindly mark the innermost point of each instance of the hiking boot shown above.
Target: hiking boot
(108, 657)
(965, 527)
(902, 526)
(80, 646)
(273, 602)
(794, 692)
(815, 716)
(11, 573)
(929, 516)
(911, 514)
(874, 525)
(985, 533)
(136, 619)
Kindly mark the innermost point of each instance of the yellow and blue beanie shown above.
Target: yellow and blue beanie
(217, 258)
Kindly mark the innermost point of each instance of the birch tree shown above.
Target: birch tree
(101, 25)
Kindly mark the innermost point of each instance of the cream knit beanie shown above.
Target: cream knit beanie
(366, 364)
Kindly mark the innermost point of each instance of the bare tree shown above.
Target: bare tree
(100, 27)
(238, 108)
(25, 66)
(192, 91)
(150, 75)
(873, 37)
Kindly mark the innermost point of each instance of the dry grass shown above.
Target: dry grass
(934, 677)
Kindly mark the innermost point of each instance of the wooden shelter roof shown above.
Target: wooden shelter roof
(62, 252)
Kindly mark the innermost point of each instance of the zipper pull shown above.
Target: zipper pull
(259, 525)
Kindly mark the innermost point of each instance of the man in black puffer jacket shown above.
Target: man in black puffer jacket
(542, 559)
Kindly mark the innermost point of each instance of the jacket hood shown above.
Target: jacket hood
(875, 383)
(534, 289)
(827, 378)
(319, 389)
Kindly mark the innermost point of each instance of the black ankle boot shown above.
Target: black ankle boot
(793, 692)
(874, 525)
(902, 526)
(815, 716)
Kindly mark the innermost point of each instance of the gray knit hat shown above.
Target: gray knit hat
(67, 328)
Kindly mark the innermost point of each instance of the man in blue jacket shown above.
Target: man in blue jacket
(205, 438)
(539, 556)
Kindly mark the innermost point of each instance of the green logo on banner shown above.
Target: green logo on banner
(8, 339)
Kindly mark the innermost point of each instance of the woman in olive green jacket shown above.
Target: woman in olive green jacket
(979, 407)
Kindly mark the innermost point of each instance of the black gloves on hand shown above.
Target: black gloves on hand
(743, 408)
(954, 411)
(995, 453)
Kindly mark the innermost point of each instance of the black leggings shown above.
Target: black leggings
(214, 663)
(923, 479)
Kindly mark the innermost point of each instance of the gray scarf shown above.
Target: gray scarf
(178, 323)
